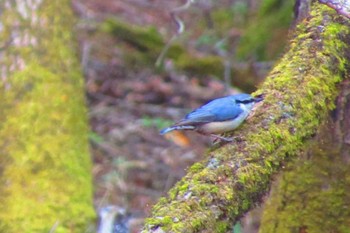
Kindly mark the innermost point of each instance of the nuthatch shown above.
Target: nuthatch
(217, 116)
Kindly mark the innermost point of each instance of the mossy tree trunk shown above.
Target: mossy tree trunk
(300, 92)
(313, 193)
(45, 179)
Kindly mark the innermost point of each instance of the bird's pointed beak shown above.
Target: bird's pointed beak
(258, 99)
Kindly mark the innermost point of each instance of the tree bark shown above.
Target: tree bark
(313, 194)
(299, 94)
(45, 182)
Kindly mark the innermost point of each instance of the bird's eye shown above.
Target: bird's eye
(246, 101)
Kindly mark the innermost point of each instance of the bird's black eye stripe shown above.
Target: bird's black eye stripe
(247, 101)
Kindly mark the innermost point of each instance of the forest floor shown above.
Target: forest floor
(133, 164)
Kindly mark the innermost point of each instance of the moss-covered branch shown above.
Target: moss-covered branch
(313, 193)
(299, 93)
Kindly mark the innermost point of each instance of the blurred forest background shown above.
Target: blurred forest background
(227, 47)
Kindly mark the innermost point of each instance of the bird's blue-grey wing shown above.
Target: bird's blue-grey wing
(222, 109)
(197, 118)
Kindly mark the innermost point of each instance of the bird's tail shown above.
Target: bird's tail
(178, 127)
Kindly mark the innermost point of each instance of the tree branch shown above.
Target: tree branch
(317, 182)
(299, 93)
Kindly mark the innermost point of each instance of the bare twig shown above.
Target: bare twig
(180, 29)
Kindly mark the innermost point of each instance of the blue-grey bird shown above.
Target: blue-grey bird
(217, 116)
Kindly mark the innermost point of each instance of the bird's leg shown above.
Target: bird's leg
(218, 137)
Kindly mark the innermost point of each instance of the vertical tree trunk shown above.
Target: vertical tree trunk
(313, 195)
(45, 166)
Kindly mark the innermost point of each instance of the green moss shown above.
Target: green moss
(196, 167)
(211, 65)
(46, 179)
(144, 39)
(221, 227)
(312, 195)
(183, 188)
(38, 169)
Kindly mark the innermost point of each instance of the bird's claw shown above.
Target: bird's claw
(218, 138)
